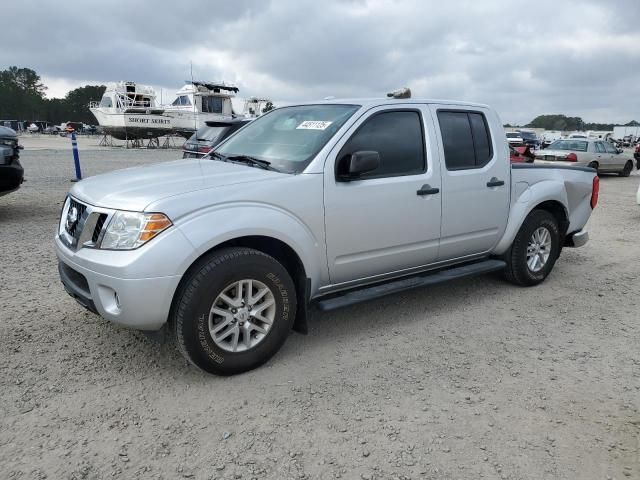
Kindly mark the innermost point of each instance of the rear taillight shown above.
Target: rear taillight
(572, 157)
(595, 191)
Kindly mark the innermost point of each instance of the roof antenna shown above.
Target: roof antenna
(400, 93)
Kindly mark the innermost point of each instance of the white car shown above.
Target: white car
(515, 139)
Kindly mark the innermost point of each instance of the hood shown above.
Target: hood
(135, 188)
(6, 132)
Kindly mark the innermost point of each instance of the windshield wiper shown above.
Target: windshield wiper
(216, 155)
(256, 162)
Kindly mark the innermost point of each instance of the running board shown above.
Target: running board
(364, 294)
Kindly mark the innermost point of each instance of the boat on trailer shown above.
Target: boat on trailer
(128, 111)
(198, 102)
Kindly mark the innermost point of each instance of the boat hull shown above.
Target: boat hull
(131, 126)
(186, 121)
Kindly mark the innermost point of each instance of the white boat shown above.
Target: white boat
(198, 102)
(256, 106)
(129, 111)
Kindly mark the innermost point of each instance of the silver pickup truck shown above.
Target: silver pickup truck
(328, 204)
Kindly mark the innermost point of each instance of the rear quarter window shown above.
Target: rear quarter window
(466, 139)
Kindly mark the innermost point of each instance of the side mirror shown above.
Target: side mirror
(350, 167)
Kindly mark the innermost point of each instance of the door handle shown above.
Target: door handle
(427, 189)
(494, 182)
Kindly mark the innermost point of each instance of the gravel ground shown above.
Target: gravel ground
(471, 379)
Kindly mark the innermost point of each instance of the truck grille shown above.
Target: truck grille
(82, 225)
(73, 229)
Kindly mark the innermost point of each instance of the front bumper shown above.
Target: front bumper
(140, 303)
(577, 239)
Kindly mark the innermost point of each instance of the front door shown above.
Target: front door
(476, 178)
(388, 220)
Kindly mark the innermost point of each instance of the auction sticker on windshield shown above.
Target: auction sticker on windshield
(313, 125)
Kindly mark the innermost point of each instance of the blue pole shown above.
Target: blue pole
(76, 157)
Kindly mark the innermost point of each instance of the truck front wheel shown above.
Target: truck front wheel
(234, 311)
(534, 250)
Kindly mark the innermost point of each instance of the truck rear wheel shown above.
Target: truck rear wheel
(534, 250)
(234, 311)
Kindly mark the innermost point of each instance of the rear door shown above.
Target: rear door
(602, 157)
(388, 220)
(476, 180)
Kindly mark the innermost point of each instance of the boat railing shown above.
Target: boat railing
(128, 103)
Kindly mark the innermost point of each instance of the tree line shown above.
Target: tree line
(22, 98)
(564, 123)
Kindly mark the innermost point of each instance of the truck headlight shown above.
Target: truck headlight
(129, 230)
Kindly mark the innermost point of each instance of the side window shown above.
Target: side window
(481, 139)
(609, 148)
(397, 136)
(466, 139)
(212, 104)
(106, 102)
(600, 147)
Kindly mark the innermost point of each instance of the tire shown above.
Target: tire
(594, 165)
(626, 171)
(201, 311)
(518, 270)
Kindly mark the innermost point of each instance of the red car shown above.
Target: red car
(521, 154)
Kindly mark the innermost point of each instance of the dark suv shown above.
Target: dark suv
(11, 172)
(530, 139)
(210, 135)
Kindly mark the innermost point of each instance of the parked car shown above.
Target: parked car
(329, 203)
(550, 136)
(521, 154)
(597, 154)
(515, 139)
(209, 135)
(636, 155)
(11, 171)
(530, 139)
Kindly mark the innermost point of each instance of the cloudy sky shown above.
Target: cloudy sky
(580, 58)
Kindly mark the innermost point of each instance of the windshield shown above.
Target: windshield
(573, 145)
(528, 135)
(513, 135)
(288, 137)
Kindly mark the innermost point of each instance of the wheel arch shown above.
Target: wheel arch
(549, 196)
(273, 247)
(559, 211)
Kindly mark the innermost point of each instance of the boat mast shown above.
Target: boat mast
(195, 114)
